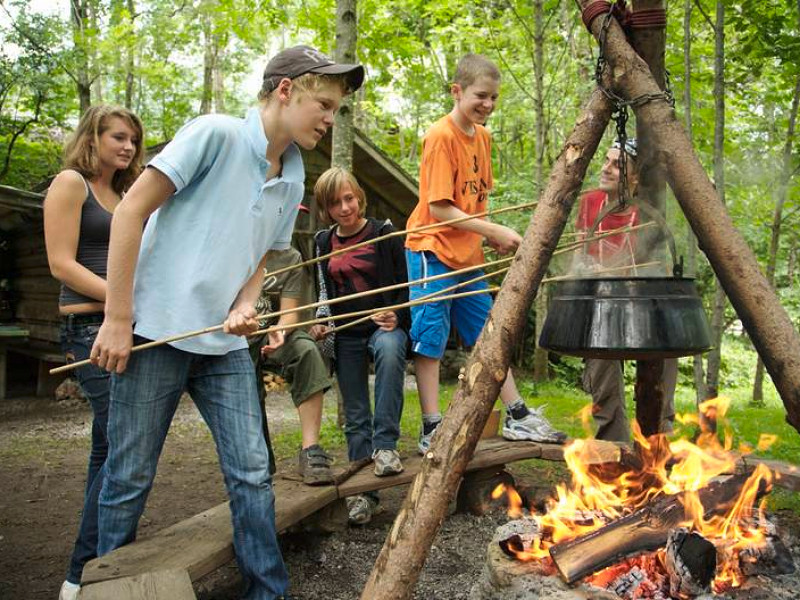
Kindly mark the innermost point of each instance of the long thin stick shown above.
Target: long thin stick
(182, 336)
(599, 236)
(370, 312)
(388, 288)
(432, 296)
(571, 247)
(360, 313)
(393, 234)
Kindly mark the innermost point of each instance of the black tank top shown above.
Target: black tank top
(92, 250)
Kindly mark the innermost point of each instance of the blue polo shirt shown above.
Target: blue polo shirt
(203, 244)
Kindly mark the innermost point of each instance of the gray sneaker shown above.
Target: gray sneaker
(533, 427)
(314, 466)
(424, 443)
(360, 509)
(387, 462)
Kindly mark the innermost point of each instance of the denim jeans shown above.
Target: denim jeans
(388, 349)
(143, 401)
(77, 336)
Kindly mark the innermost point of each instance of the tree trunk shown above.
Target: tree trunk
(217, 75)
(396, 571)
(718, 311)
(649, 44)
(209, 57)
(734, 264)
(691, 240)
(777, 216)
(343, 132)
(130, 66)
(346, 40)
(539, 354)
(79, 10)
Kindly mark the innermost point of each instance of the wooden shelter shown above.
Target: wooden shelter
(29, 320)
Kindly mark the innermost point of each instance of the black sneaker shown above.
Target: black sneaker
(314, 466)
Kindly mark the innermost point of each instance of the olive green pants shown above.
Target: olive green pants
(603, 380)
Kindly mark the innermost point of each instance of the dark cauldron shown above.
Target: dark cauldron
(638, 318)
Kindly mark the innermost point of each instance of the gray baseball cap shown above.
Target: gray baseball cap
(300, 60)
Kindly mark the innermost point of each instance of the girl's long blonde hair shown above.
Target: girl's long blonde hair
(80, 152)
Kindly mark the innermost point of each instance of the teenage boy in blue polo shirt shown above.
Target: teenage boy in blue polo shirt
(217, 198)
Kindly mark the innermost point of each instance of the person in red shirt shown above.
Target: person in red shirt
(603, 378)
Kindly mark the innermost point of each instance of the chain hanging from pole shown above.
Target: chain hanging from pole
(620, 114)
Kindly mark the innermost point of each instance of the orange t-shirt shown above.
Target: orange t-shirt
(455, 167)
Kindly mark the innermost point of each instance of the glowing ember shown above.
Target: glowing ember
(600, 494)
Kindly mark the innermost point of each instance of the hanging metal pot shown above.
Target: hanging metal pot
(636, 318)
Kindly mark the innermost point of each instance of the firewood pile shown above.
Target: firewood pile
(274, 382)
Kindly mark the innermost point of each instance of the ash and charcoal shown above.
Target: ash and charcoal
(691, 561)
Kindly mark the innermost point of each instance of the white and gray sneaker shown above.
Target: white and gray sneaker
(533, 427)
(69, 591)
(387, 462)
(424, 443)
(360, 509)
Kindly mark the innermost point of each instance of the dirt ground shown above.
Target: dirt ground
(43, 452)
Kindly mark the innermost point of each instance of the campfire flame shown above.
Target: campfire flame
(596, 495)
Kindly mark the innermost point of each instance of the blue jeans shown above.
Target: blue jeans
(388, 349)
(77, 336)
(143, 401)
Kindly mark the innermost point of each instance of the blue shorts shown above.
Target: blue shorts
(430, 323)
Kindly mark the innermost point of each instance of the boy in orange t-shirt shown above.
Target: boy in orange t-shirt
(455, 180)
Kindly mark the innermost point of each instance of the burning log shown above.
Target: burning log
(691, 562)
(645, 530)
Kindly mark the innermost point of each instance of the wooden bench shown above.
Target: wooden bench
(195, 547)
(47, 354)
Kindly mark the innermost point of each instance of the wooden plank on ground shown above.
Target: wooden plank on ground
(174, 584)
(203, 542)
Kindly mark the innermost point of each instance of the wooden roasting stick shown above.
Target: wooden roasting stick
(393, 234)
(437, 295)
(323, 320)
(182, 336)
(370, 312)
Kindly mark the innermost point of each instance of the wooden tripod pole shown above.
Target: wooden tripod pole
(397, 569)
(734, 263)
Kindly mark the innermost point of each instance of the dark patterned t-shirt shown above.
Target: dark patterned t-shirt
(353, 272)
